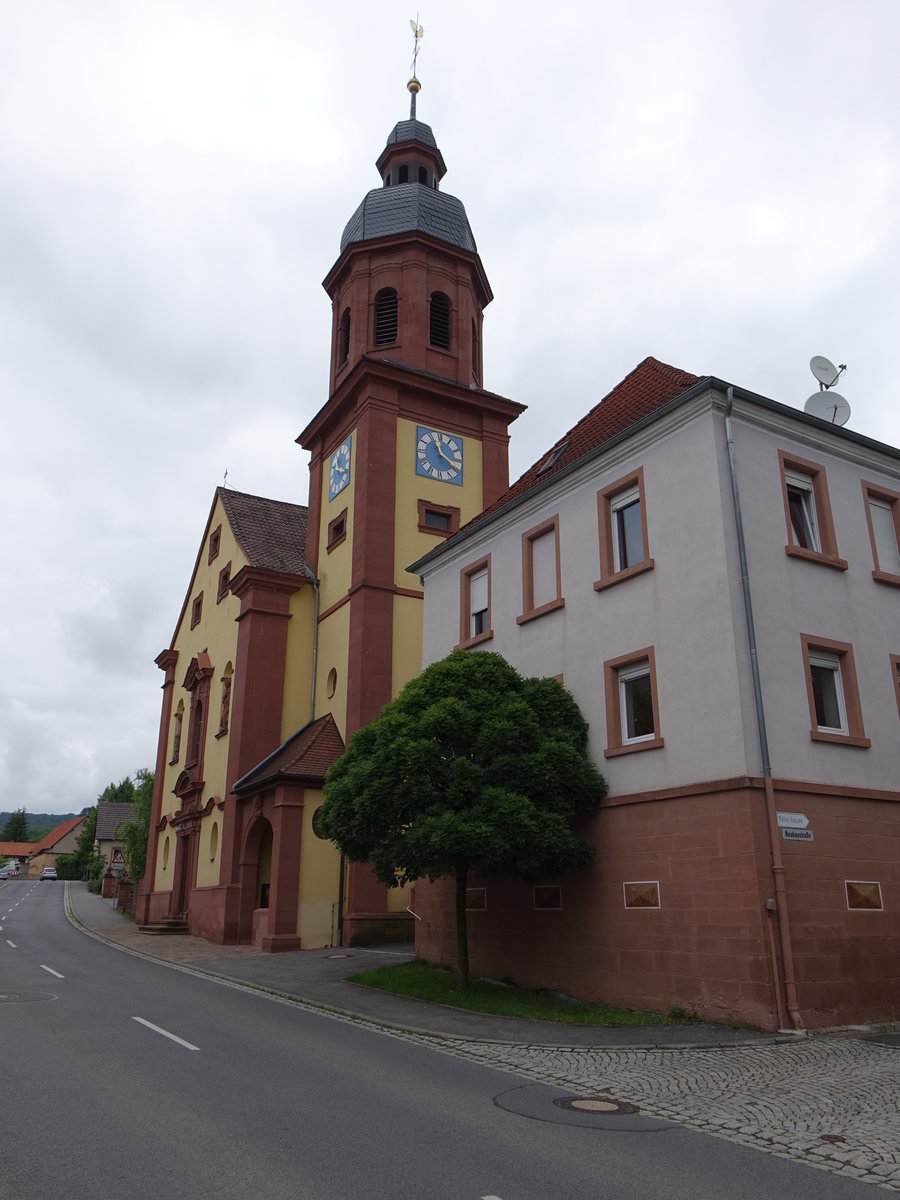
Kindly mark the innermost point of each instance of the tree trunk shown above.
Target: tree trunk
(462, 933)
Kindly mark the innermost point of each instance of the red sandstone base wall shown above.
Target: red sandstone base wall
(706, 948)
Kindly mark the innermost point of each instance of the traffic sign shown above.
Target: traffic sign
(797, 835)
(792, 820)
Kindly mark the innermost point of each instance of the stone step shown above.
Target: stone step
(168, 925)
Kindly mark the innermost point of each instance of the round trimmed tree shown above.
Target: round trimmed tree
(471, 768)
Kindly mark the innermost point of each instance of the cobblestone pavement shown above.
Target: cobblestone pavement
(830, 1102)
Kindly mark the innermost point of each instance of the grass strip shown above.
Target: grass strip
(439, 986)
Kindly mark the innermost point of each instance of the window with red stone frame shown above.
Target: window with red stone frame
(807, 512)
(622, 525)
(835, 713)
(541, 572)
(475, 603)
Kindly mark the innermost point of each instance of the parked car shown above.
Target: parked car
(5, 872)
(49, 873)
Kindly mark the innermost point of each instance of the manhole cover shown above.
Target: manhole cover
(598, 1104)
(25, 997)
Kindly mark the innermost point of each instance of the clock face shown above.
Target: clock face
(439, 455)
(339, 470)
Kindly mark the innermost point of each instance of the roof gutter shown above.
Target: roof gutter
(780, 905)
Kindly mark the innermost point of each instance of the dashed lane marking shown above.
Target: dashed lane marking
(50, 971)
(171, 1036)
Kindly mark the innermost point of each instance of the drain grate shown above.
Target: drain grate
(596, 1104)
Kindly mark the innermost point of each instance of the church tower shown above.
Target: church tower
(409, 444)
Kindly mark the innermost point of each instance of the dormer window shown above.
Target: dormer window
(385, 317)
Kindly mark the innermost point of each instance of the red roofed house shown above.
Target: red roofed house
(61, 840)
(714, 576)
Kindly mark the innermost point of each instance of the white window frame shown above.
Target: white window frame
(617, 505)
(805, 486)
(626, 675)
(831, 662)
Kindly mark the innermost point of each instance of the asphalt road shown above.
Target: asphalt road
(124, 1077)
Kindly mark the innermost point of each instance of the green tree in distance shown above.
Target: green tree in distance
(471, 767)
(16, 827)
(134, 834)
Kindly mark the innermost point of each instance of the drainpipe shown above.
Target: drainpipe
(315, 653)
(312, 717)
(787, 956)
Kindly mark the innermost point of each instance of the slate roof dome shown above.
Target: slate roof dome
(409, 199)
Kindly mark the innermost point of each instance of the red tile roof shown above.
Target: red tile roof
(56, 835)
(649, 386)
(304, 758)
(16, 849)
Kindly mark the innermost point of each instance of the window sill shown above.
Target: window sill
(840, 739)
(621, 576)
(475, 641)
(634, 747)
(173, 761)
(221, 733)
(886, 577)
(541, 610)
(824, 560)
(333, 545)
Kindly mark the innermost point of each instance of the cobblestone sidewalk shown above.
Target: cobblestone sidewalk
(831, 1103)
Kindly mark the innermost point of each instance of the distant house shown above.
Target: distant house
(15, 851)
(61, 840)
(109, 818)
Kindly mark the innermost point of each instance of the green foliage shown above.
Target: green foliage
(86, 863)
(439, 986)
(471, 767)
(470, 764)
(16, 827)
(134, 834)
(67, 867)
(118, 793)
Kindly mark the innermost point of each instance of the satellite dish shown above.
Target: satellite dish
(824, 370)
(828, 406)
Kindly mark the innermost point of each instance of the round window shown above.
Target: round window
(317, 824)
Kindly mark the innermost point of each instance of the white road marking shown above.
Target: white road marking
(52, 972)
(490, 1198)
(165, 1033)
(9, 943)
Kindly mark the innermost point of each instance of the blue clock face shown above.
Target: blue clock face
(339, 470)
(439, 455)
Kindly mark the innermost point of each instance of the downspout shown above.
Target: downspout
(315, 653)
(787, 956)
(312, 717)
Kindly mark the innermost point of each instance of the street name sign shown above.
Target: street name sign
(792, 820)
(797, 835)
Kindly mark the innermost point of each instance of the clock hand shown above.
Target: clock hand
(443, 455)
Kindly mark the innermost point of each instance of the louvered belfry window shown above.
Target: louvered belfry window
(440, 320)
(385, 317)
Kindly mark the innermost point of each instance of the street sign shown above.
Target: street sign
(797, 835)
(118, 858)
(792, 820)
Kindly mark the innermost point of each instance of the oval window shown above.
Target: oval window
(166, 853)
(214, 841)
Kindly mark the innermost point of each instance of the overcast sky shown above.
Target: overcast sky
(714, 184)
